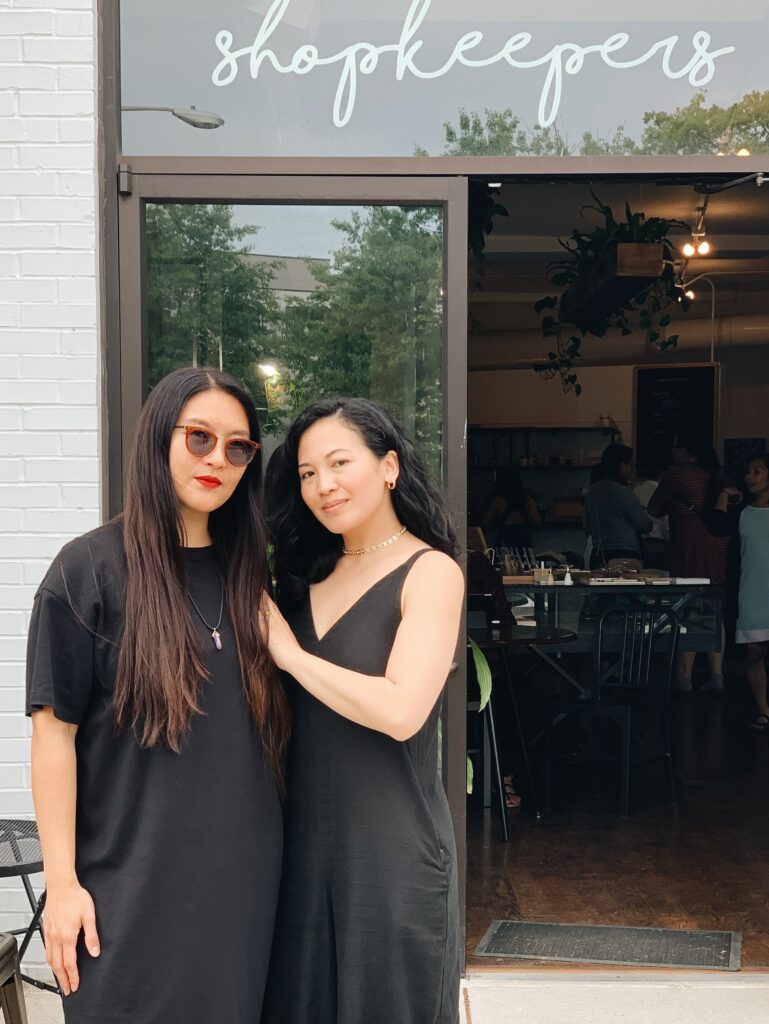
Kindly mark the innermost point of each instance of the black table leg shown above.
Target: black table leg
(497, 770)
(521, 737)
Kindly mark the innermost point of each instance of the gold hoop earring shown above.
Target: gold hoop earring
(391, 485)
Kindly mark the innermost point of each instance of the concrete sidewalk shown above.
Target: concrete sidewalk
(671, 997)
(559, 998)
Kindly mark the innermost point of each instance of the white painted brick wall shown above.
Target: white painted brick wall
(49, 347)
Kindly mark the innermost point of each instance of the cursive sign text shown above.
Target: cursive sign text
(363, 59)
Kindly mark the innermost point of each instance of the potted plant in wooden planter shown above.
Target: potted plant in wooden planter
(620, 274)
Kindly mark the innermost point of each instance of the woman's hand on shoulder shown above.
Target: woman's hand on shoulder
(281, 642)
(69, 910)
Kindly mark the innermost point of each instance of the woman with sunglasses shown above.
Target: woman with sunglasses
(367, 928)
(159, 728)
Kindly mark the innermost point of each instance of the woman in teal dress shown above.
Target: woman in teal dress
(753, 615)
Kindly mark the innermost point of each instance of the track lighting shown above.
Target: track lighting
(699, 246)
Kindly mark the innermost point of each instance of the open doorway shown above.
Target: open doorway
(695, 861)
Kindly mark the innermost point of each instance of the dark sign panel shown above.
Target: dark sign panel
(671, 399)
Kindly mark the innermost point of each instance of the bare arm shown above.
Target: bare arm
(399, 702)
(69, 908)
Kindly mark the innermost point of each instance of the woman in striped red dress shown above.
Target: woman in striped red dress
(685, 492)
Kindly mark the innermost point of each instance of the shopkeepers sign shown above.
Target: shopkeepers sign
(344, 78)
(693, 59)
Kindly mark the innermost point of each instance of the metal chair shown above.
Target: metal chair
(11, 989)
(633, 660)
(21, 855)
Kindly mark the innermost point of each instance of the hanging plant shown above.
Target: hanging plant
(620, 275)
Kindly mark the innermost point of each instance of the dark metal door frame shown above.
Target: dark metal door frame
(138, 186)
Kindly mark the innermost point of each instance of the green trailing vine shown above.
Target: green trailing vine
(649, 309)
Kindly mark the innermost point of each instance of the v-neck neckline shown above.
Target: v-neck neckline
(319, 639)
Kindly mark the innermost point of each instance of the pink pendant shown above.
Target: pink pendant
(217, 639)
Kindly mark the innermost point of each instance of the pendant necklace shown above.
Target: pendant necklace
(375, 547)
(215, 635)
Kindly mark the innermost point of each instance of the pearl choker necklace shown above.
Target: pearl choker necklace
(375, 547)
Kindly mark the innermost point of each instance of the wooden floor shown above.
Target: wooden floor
(702, 865)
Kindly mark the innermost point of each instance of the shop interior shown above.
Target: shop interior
(693, 858)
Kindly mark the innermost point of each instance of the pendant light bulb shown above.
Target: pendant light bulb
(688, 249)
(703, 247)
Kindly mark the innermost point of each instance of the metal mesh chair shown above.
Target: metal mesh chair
(20, 854)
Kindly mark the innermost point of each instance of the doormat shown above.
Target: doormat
(605, 944)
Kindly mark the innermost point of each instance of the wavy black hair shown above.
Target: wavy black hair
(305, 551)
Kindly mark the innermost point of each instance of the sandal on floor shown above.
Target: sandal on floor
(760, 723)
(511, 797)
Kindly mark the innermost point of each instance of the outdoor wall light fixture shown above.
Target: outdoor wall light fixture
(190, 115)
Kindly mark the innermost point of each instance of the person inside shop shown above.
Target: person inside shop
(510, 513)
(613, 515)
(751, 525)
(158, 728)
(687, 493)
(366, 571)
(753, 601)
(654, 546)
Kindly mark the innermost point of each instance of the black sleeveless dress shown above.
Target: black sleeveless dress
(368, 923)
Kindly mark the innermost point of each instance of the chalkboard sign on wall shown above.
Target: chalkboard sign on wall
(670, 398)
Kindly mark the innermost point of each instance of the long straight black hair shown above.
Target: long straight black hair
(305, 551)
(160, 665)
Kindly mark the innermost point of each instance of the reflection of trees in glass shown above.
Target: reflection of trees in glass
(695, 129)
(502, 133)
(374, 328)
(203, 299)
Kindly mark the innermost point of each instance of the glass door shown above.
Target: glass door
(307, 287)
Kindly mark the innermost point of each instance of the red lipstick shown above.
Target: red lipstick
(209, 481)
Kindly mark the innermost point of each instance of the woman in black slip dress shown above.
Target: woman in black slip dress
(159, 726)
(367, 929)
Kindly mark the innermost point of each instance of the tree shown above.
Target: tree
(697, 128)
(374, 328)
(498, 133)
(203, 295)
